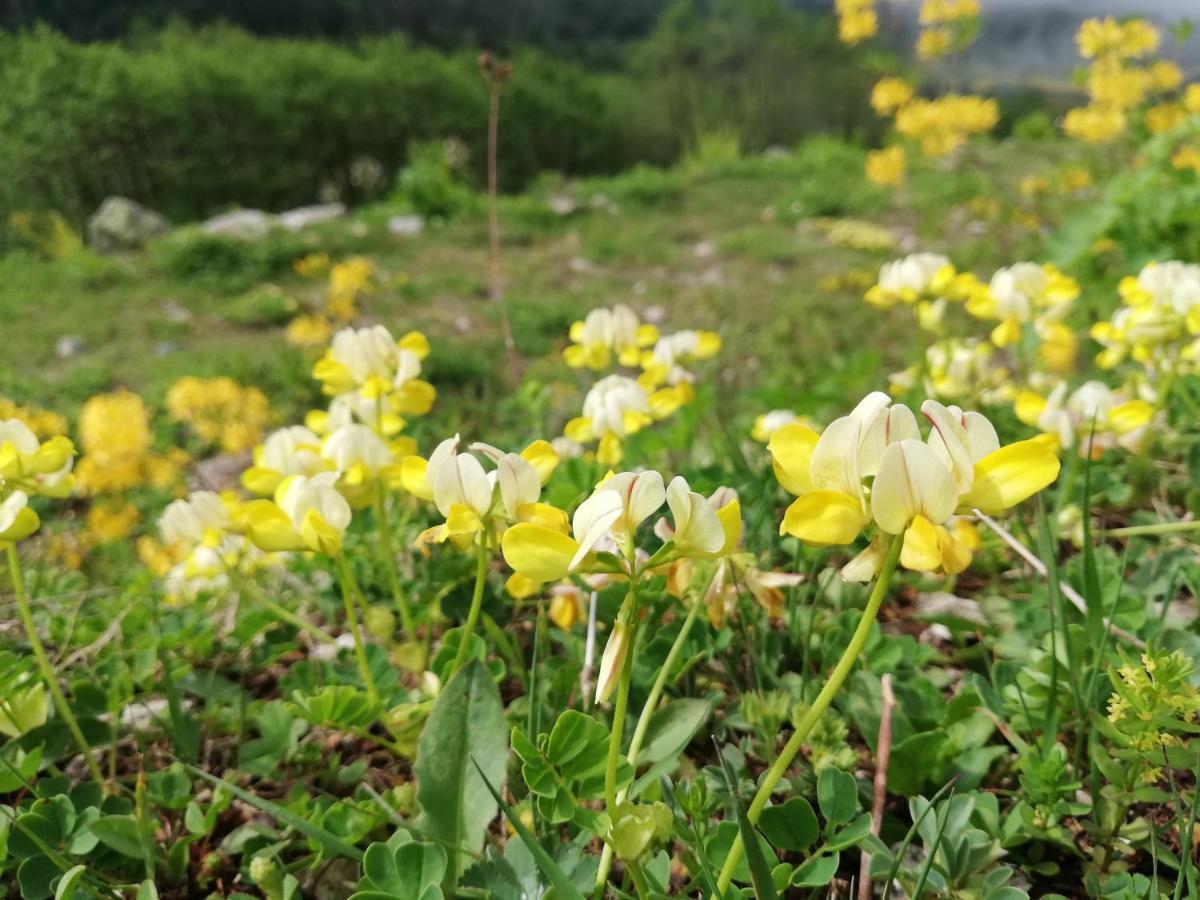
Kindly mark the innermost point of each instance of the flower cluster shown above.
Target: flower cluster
(117, 445)
(220, 411)
(947, 26)
(30, 467)
(1093, 416)
(1155, 702)
(619, 405)
(870, 470)
(1121, 80)
(1158, 323)
(857, 20)
(347, 456)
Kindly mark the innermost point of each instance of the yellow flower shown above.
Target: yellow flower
(768, 423)
(306, 514)
(17, 520)
(111, 521)
(857, 20)
(471, 500)
(114, 434)
(308, 331)
(1187, 157)
(889, 94)
(602, 522)
(887, 167)
(295, 450)
(1164, 117)
(934, 43)
(311, 265)
(1165, 75)
(220, 411)
(1094, 124)
(664, 363)
(871, 466)
(608, 334)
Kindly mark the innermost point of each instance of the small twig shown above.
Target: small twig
(1040, 567)
(495, 74)
(883, 754)
(109, 633)
(589, 654)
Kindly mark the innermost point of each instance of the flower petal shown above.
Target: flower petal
(824, 517)
(791, 448)
(912, 481)
(539, 553)
(1009, 475)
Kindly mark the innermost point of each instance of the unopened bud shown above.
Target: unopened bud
(613, 661)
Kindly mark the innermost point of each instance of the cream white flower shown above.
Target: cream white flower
(201, 518)
(294, 450)
(308, 513)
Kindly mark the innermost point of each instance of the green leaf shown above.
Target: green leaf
(554, 873)
(816, 872)
(69, 882)
(411, 871)
(467, 721)
(147, 891)
(121, 833)
(851, 834)
(330, 842)
(337, 705)
(791, 825)
(35, 875)
(672, 728)
(837, 794)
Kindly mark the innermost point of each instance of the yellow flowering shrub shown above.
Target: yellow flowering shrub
(220, 411)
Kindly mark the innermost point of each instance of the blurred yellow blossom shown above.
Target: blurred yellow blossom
(887, 167)
(889, 94)
(220, 411)
(308, 331)
(111, 520)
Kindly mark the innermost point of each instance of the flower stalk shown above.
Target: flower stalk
(387, 551)
(46, 668)
(360, 650)
(472, 622)
(836, 679)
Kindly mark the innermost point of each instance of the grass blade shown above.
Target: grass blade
(329, 841)
(760, 872)
(553, 871)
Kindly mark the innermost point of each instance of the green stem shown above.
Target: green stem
(47, 670)
(468, 630)
(1157, 528)
(824, 698)
(618, 726)
(643, 722)
(389, 558)
(360, 650)
(278, 610)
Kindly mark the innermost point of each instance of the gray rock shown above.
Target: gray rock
(241, 223)
(68, 346)
(175, 311)
(219, 473)
(303, 216)
(406, 226)
(562, 204)
(122, 224)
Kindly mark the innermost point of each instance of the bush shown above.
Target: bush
(430, 186)
(830, 181)
(1147, 212)
(189, 122)
(223, 262)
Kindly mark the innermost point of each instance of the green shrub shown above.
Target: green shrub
(830, 181)
(225, 262)
(1150, 211)
(264, 306)
(190, 122)
(641, 185)
(430, 186)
